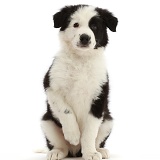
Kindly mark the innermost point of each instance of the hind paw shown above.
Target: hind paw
(56, 154)
(104, 152)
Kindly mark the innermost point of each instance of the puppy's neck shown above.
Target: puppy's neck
(68, 50)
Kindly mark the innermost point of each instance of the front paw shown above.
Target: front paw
(72, 135)
(92, 156)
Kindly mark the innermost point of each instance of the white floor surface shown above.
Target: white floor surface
(39, 156)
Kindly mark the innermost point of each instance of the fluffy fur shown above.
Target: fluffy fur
(77, 121)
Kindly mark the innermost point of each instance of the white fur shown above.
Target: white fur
(104, 131)
(54, 134)
(104, 152)
(76, 79)
(88, 138)
(56, 154)
(71, 35)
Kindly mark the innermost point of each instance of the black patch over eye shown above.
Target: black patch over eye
(76, 25)
(98, 27)
(94, 27)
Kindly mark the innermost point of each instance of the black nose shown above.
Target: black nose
(85, 39)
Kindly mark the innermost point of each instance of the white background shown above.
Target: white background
(28, 42)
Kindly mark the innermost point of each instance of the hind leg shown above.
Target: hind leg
(103, 134)
(55, 140)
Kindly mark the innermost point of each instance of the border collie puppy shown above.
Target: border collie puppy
(77, 121)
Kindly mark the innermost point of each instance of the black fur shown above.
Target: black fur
(49, 115)
(50, 147)
(99, 107)
(108, 18)
(97, 24)
(102, 145)
(78, 154)
(46, 80)
(98, 27)
(62, 18)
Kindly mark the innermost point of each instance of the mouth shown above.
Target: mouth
(79, 45)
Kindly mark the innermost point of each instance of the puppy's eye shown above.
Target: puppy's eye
(76, 25)
(93, 26)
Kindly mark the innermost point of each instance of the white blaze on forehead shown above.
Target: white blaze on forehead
(71, 36)
(84, 14)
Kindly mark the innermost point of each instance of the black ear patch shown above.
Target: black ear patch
(62, 18)
(108, 18)
(58, 19)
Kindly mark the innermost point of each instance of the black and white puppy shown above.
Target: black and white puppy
(78, 122)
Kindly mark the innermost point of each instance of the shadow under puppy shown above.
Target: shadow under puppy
(77, 121)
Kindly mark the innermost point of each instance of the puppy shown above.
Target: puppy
(77, 121)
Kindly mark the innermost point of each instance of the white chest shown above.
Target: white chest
(79, 82)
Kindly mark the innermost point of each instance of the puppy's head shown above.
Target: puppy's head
(84, 27)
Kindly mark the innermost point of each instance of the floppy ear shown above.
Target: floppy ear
(108, 18)
(62, 18)
(59, 19)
